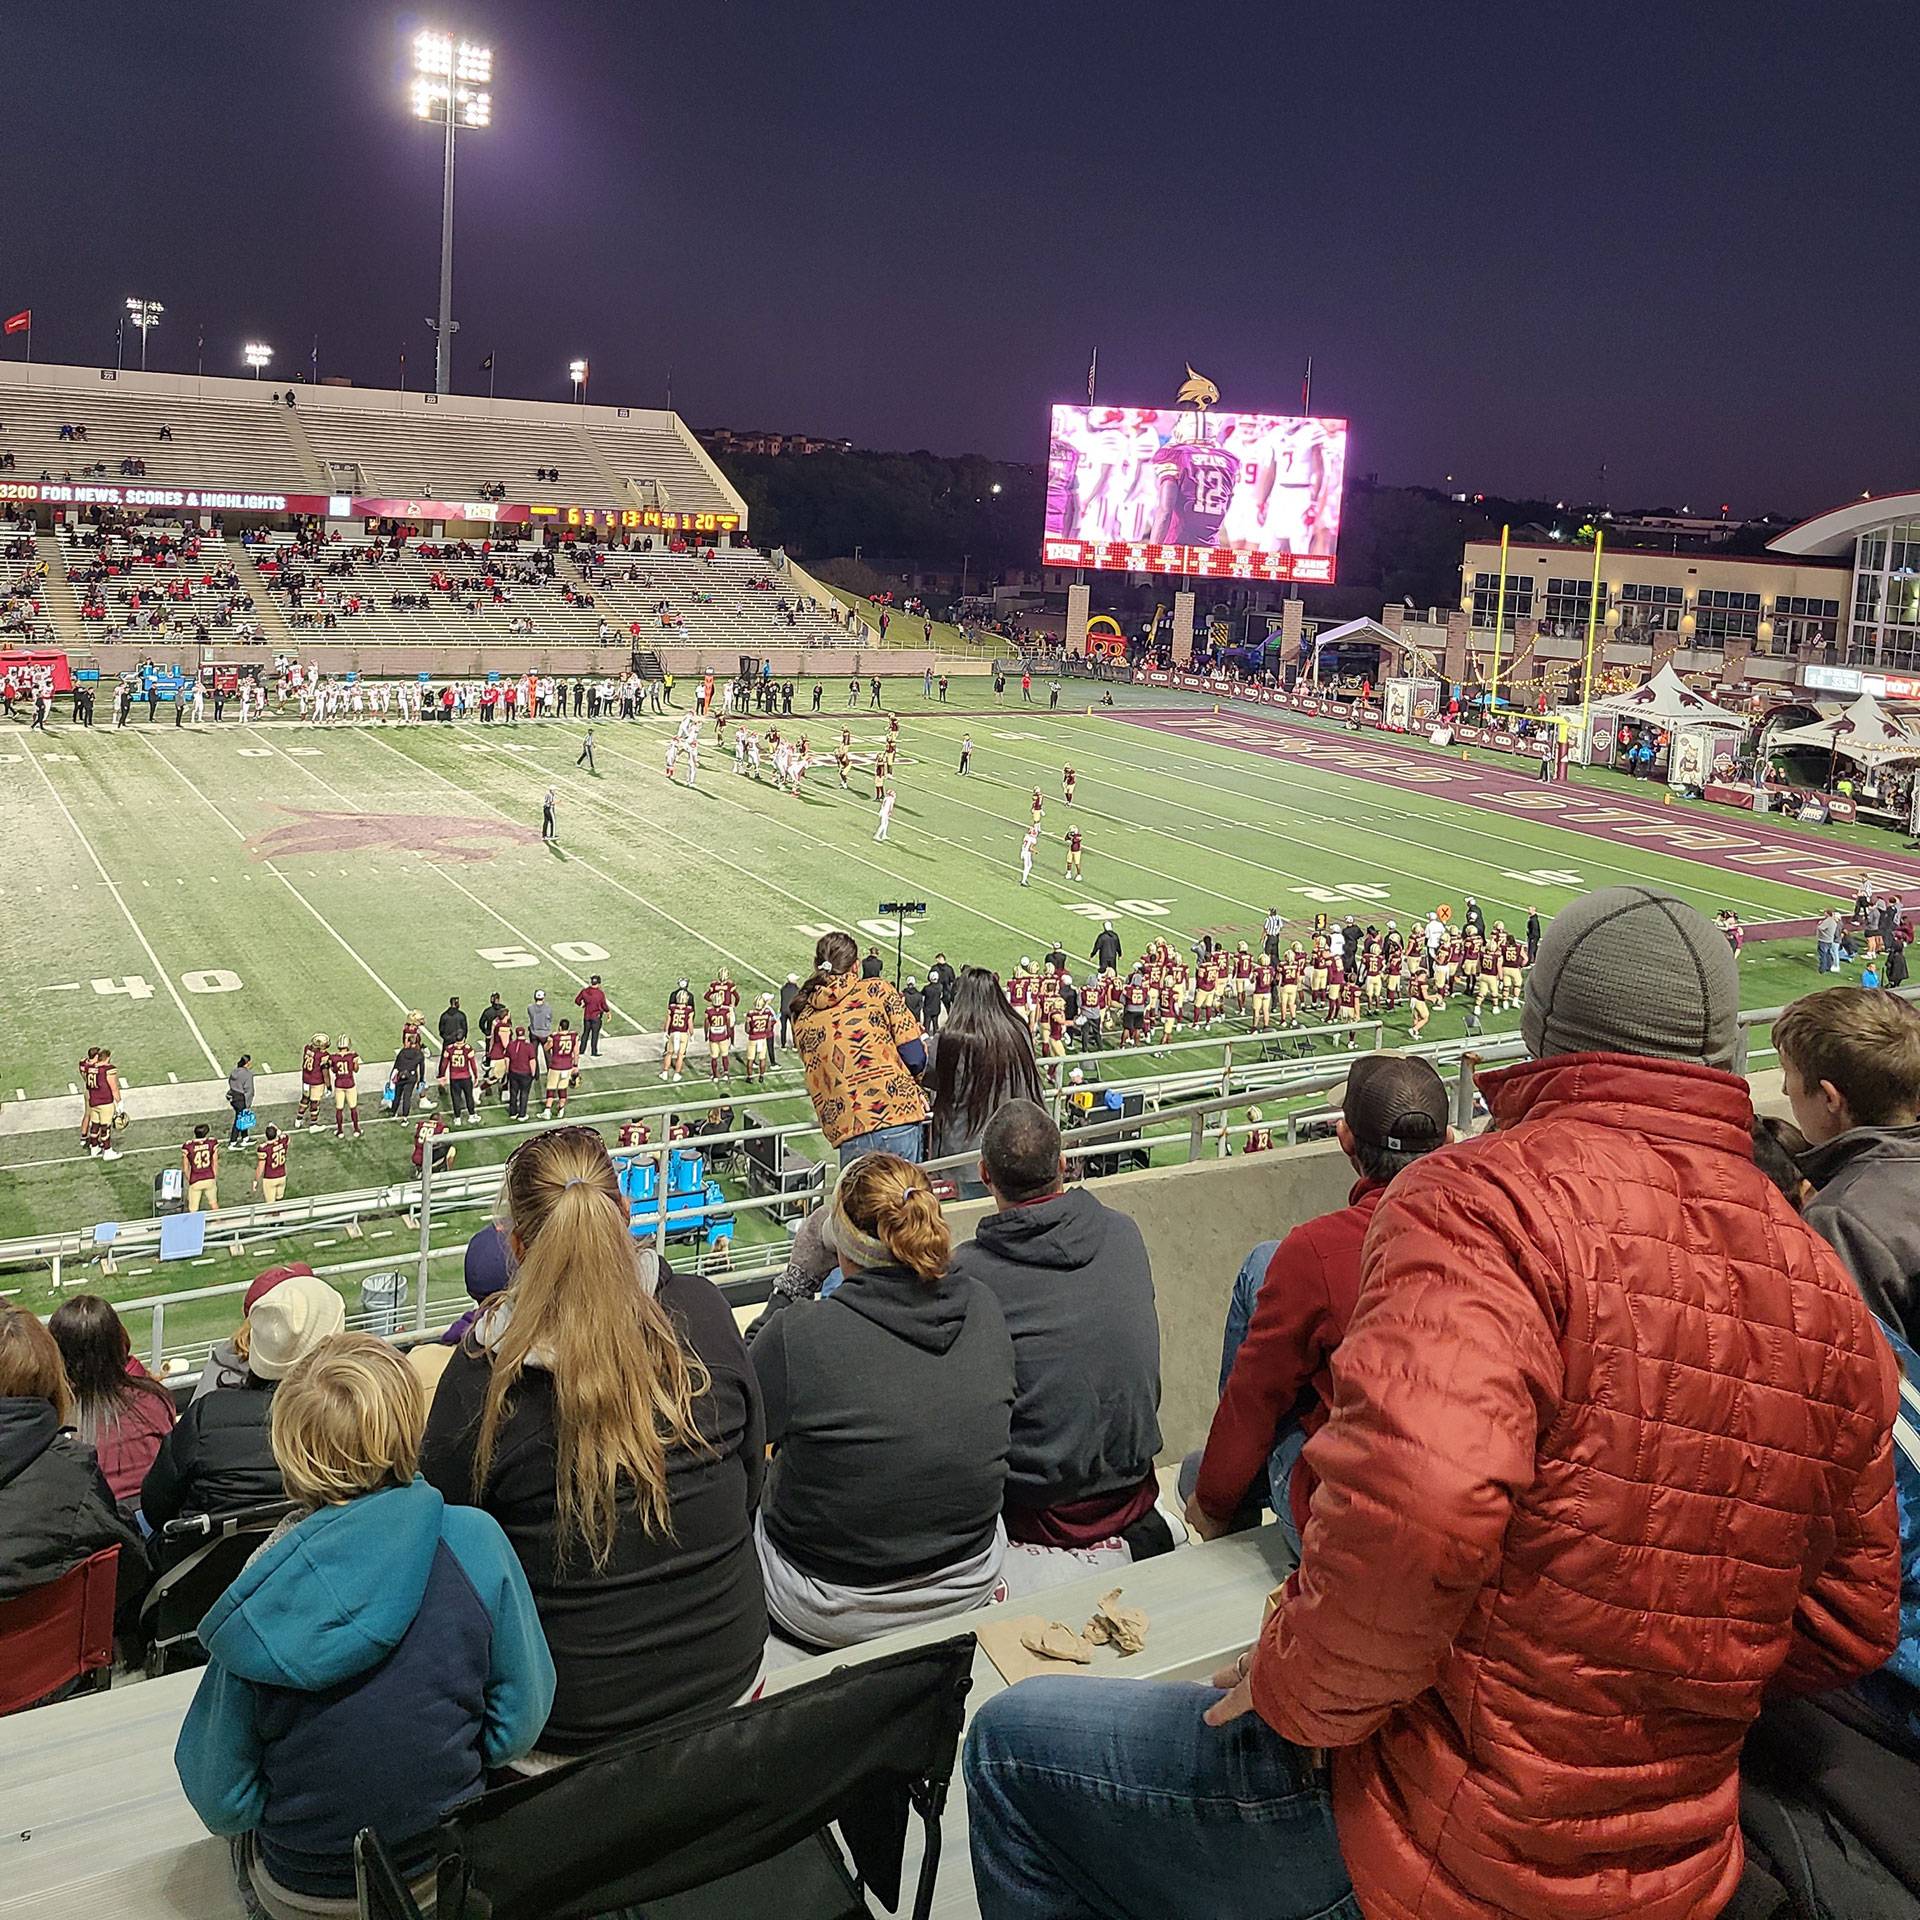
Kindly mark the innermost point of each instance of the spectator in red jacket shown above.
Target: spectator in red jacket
(1291, 1305)
(1609, 1459)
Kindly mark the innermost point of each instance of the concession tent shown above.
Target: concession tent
(1664, 701)
(1864, 732)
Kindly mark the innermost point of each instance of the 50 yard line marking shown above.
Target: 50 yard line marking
(146, 945)
(339, 938)
(579, 979)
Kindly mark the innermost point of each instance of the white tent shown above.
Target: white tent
(1864, 732)
(1665, 701)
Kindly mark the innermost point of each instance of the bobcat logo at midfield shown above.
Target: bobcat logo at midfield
(434, 836)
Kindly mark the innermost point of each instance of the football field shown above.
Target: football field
(186, 895)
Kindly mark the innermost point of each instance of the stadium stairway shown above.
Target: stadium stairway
(96, 1822)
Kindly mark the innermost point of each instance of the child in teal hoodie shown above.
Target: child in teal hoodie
(373, 1660)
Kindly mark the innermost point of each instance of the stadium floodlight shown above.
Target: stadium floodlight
(144, 314)
(452, 82)
(577, 373)
(257, 353)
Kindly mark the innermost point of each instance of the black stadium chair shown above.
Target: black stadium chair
(196, 1576)
(720, 1816)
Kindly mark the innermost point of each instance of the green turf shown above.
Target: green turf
(650, 882)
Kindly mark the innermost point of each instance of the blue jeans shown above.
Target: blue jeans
(906, 1141)
(1829, 953)
(1111, 1799)
(1289, 1441)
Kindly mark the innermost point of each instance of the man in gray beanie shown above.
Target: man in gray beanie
(1609, 1456)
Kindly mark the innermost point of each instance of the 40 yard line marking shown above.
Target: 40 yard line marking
(339, 938)
(146, 945)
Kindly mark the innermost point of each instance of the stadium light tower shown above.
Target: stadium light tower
(258, 353)
(451, 83)
(577, 373)
(144, 314)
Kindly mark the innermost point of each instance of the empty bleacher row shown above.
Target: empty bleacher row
(243, 435)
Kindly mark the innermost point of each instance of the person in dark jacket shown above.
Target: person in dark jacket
(1106, 947)
(1850, 1060)
(603, 1410)
(980, 1060)
(1076, 1288)
(409, 1069)
(56, 1508)
(219, 1459)
(789, 991)
(239, 1095)
(372, 1661)
(453, 1022)
(889, 1405)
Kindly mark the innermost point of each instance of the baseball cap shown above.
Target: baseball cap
(1396, 1103)
(290, 1322)
(264, 1283)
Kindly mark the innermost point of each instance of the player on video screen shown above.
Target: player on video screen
(1193, 487)
(1280, 500)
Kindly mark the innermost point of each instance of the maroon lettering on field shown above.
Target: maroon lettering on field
(433, 836)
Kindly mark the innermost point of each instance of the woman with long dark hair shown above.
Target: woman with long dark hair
(860, 1049)
(980, 1059)
(118, 1407)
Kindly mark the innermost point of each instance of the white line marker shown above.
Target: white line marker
(71, 1088)
(173, 1079)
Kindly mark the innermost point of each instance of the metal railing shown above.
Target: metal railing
(1176, 1109)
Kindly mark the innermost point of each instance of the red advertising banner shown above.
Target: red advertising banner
(26, 662)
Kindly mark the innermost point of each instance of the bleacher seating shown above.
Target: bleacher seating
(709, 601)
(200, 579)
(239, 443)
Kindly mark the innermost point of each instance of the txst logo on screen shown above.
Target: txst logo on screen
(1219, 495)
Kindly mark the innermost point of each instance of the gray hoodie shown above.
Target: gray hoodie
(1073, 1279)
(1868, 1206)
(887, 1406)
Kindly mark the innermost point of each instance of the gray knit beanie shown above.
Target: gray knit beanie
(1631, 970)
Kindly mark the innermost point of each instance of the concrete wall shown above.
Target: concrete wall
(1199, 1222)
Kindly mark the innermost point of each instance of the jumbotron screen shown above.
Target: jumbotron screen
(1242, 496)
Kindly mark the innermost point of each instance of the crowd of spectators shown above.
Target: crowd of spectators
(1582, 1429)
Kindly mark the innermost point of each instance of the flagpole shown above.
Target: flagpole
(490, 373)
(1306, 390)
(1593, 620)
(1499, 623)
(1093, 368)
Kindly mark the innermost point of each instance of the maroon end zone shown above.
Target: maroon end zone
(433, 836)
(1785, 853)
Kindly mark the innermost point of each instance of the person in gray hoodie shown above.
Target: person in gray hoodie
(1074, 1282)
(888, 1406)
(1850, 1060)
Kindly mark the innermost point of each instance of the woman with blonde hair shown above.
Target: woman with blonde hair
(889, 1407)
(603, 1410)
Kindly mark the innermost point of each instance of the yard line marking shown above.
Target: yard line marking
(579, 979)
(619, 886)
(339, 938)
(173, 1079)
(146, 945)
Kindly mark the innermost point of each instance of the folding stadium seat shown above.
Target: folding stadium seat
(720, 1816)
(58, 1638)
(197, 1576)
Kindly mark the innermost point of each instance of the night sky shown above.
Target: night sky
(1518, 240)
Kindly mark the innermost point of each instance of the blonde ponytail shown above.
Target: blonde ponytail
(885, 1210)
(583, 1310)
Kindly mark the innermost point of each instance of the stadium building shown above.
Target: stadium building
(248, 465)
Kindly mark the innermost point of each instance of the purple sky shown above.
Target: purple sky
(1519, 241)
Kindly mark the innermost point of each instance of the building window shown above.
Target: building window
(1647, 610)
(1566, 609)
(1721, 615)
(1802, 625)
(1486, 599)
